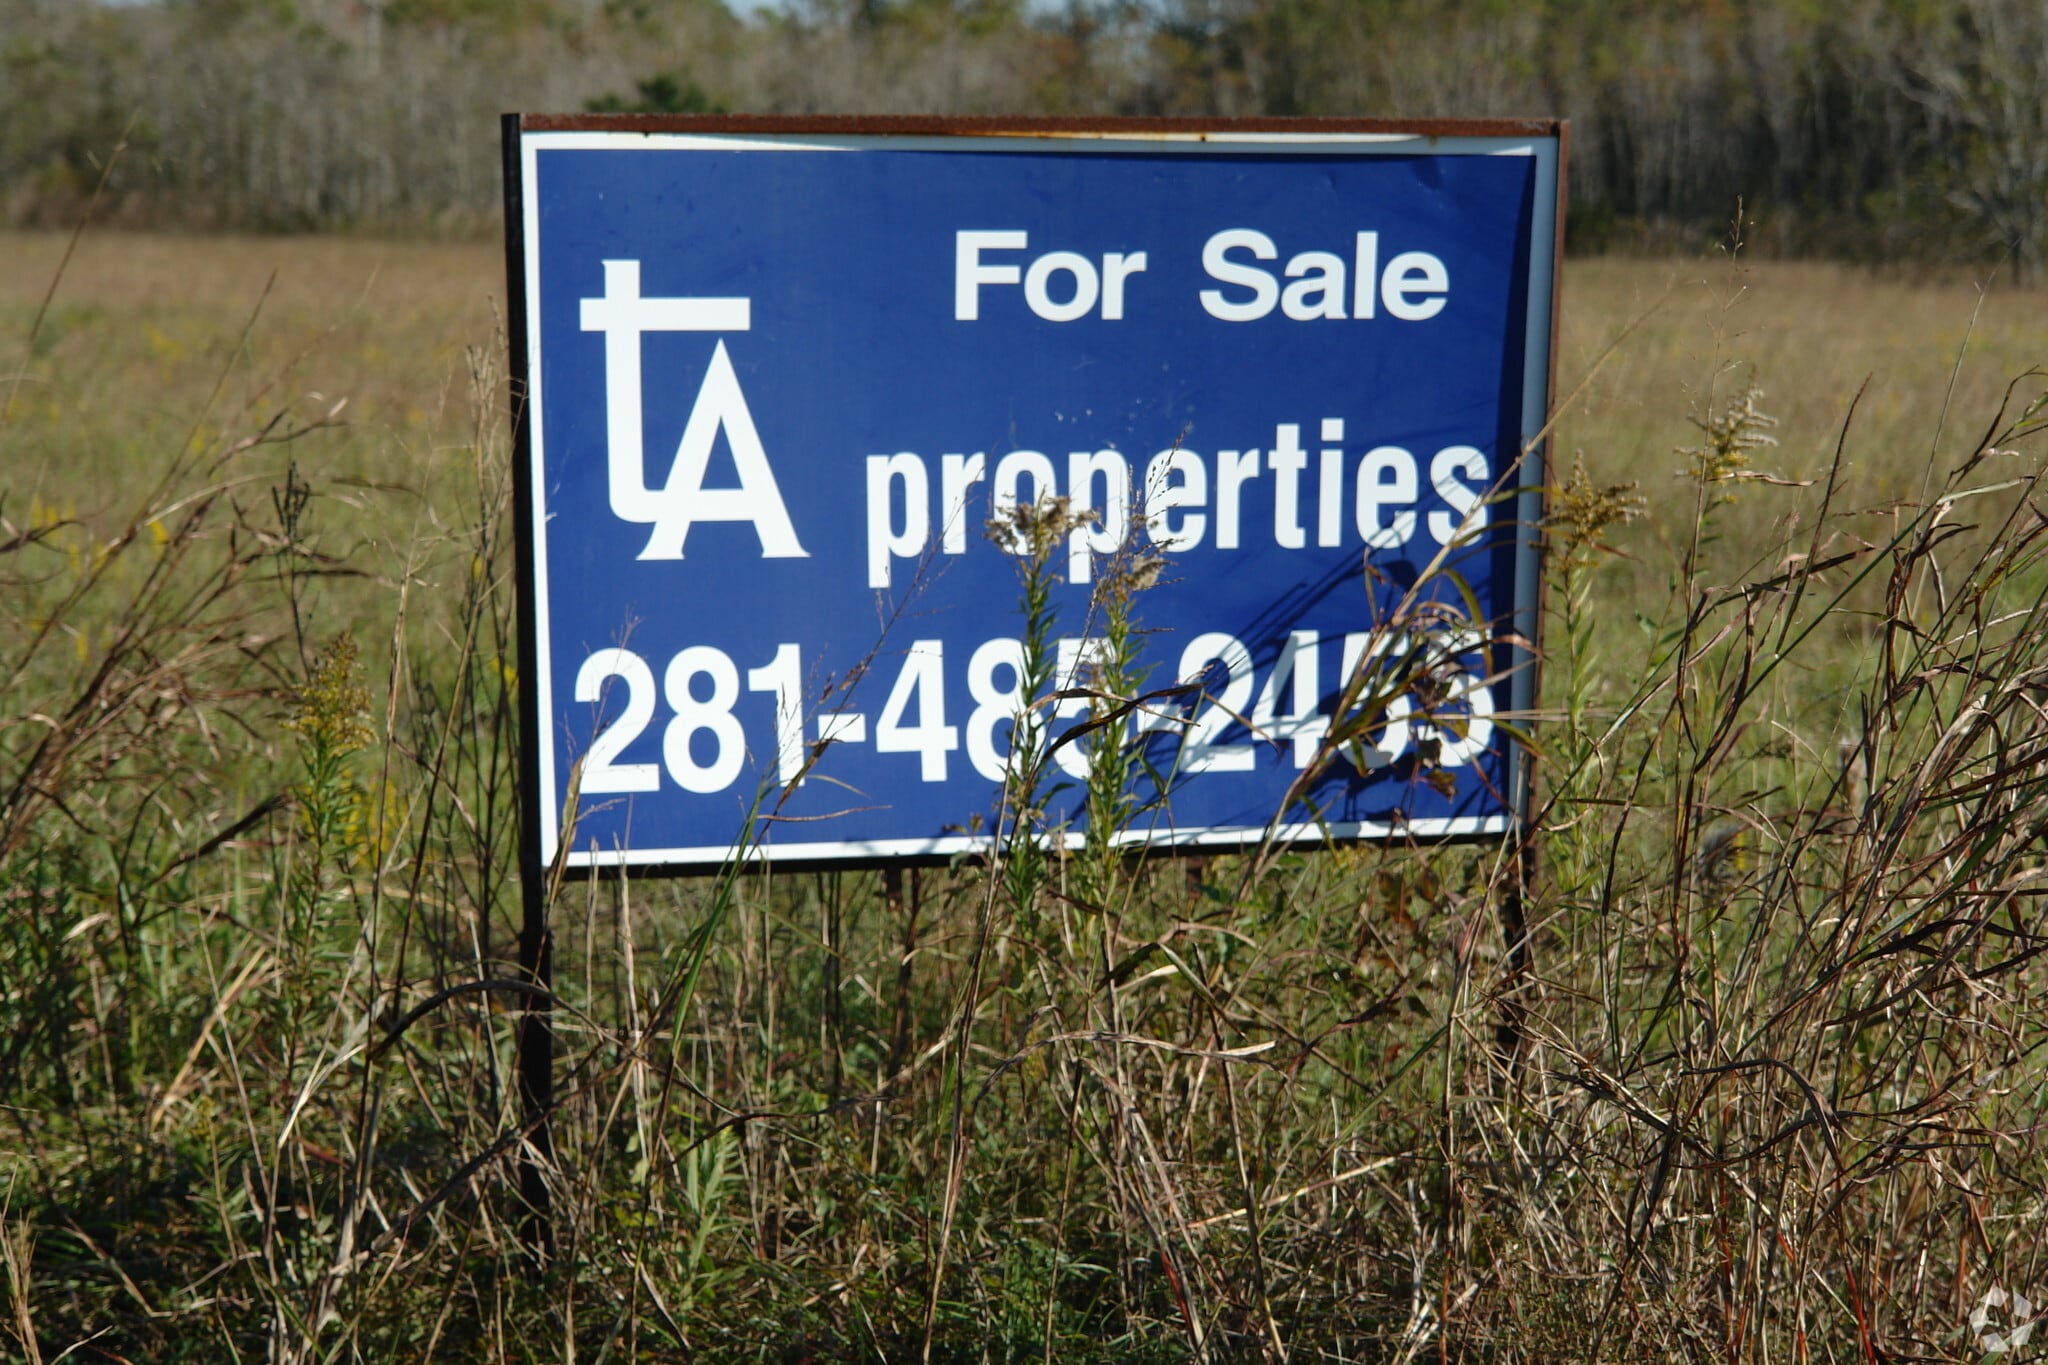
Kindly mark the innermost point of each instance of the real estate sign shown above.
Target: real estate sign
(786, 386)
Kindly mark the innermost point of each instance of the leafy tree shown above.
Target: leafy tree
(667, 92)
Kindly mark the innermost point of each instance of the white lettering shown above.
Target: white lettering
(1233, 468)
(969, 274)
(1316, 295)
(1116, 268)
(721, 406)
(624, 316)
(1365, 273)
(1376, 490)
(1330, 491)
(885, 539)
(1215, 260)
(1414, 273)
(995, 706)
(1039, 296)
(1076, 663)
(1287, 459)
(1106, 531)
(1012, 468)
(1468, 509)
(1200, 751)
(1163, 498)
(1413, 287)
(957, 474)
(922, 684)
(1299, 664)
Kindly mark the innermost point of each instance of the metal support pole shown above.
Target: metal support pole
(534, 1052)
(1510, 1031)
(533, 1040)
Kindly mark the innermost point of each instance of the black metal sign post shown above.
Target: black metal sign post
(534, 1036)
(1524, 661)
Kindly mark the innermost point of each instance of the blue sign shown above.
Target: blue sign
(786, 393)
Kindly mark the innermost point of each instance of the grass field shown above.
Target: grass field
(1761, 1083)
(138, 333)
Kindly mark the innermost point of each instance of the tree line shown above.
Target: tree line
(1883, 129)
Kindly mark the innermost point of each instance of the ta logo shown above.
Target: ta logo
(624, 316)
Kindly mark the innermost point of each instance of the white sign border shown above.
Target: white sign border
(1537, 359)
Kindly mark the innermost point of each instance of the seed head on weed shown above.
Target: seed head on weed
(1036, 531)
(331, 709)
(1732, 436)
(1583, 512)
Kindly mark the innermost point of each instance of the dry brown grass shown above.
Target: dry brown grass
(143, 324)
(143, 318)
(1810, 333)
(1778, 1083)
